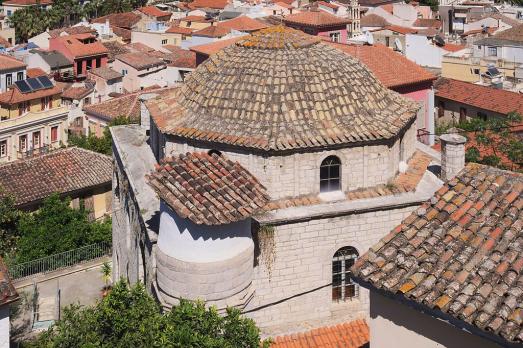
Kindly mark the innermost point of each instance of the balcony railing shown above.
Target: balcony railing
(33, 152)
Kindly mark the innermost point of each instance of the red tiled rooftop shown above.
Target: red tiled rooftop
(391, 68)
(242, 23)
(427, 23)
(35, 72)
(8, 63)
(154, 11)
(139, 60)
(80, 29)
(212, 31)
(212, 4)
(401, 30)
(354, 334)
(76, 93)
(327, 4)
(123, 20)
(193, 18)
(180, 30)
(450, 47)
(80, 49)
(63, 171)
(317, 19)
(215, 46)
(13, 95)
(482, 97)
(373, 20)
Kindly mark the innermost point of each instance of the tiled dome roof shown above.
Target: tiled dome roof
(281, 89)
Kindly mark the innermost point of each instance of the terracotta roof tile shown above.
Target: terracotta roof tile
(460, 253)
(212, 4)
(354, 334)
(35, 72)
(79, 49)
(317, 69)
(139, 60)
(401, 30)
(154, 11)
(427, 23)
(385, 64)
(127, 105)
(180, 30)
(317, 19)
(13, 95)
(8, 292)
(106, 73)
(242, 23)
(482, 97)
(179, 57)
(212, 31)
(214, 47)
(8, 63)
(328, 4)
(124, 34)
(453, 47)
(373, 20)
(208, 189)
(63, 171)
(114, 48)
(76, 93)
(80, 29)
(124, 20)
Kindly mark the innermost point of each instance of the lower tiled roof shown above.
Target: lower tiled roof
(208, 189)
(460, 254)
(63, 171)
(8, 292)
(354, 334)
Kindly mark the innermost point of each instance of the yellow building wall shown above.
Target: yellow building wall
(11, 111)
(459, 71)
(195, 25)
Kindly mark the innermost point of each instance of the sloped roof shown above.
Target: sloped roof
(123, 33)
(427, 23)
(208, 189)
(154, 11)
(106, 73)
(459, 255)
(8, 292)
(317, 19)
(400, 29)
(353, 334)
(80, 29)
(124, 20)
(212, 31)
(139, 60)
(180, 30)
(242, 23)
(76, 93)
(373, 20)
(35, 72)
(213, 47)
(55, 59)
(391, 68)
(127, 105)
(482, 97)
(326, 98)
(63, 171)
(9, 63)
(512, 36)
(212, 4)
(114, 48)
(180, 58)
(13, 95)
(79, 49)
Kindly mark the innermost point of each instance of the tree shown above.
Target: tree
(28, 22)
(9, 217)
(103, 144)
(129, 317)
(55, 228)
(496, 145)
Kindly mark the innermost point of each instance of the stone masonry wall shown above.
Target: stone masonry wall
(298, 174)
(295, 269)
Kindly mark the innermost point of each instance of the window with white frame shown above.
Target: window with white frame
(22, 143)
(330, 174)
(343, 287)
(3, 148)
(8, 80)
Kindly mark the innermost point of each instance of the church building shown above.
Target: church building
(259, 182)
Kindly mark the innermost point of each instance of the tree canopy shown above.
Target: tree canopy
(54, 228)
(103, 144)
(129, 317)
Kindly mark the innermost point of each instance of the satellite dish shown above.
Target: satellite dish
(397, 45)
(369, 38)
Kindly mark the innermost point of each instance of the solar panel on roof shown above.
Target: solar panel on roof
(44, 80)
(493, 71)
(34, 83)
(23, 86)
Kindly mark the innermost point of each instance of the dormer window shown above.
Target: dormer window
(330, 174)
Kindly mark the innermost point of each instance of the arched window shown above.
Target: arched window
(214, 152)
(343, 287)
(330, 174)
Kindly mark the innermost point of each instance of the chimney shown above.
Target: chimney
(452, 155)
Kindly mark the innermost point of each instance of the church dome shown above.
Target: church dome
(281, 89)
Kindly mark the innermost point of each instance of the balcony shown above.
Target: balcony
(33, 152)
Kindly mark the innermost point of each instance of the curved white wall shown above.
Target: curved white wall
(185, 241)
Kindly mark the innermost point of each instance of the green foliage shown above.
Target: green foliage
(28, 22)
(495, 136)
(55, 228)
(432, 3)
(9, 217)
(129, 317)
(106, 272)
(101, 144)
